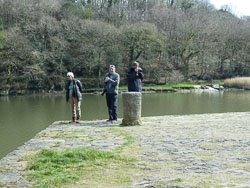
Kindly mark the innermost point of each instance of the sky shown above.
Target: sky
(239, 7)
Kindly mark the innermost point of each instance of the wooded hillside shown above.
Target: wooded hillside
(174, 40)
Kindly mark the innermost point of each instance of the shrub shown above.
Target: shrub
(240, 82)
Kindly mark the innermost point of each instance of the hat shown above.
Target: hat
(135, 64)
(70, 74)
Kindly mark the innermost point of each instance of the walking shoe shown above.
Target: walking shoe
(109, 120)
(114, 122)
(73, 119)
(78, 120)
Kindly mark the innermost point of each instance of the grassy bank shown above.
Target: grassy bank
(166, 86)
(182, 85)
(145, 87)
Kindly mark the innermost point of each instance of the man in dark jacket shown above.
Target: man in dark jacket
(111, 85)
(135, 77)
(74, 96)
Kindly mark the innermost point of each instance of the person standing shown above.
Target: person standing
(135, 77)
(74, 96)
(111, 86)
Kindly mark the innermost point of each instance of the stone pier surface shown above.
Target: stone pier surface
(207, 150)
(131, 108)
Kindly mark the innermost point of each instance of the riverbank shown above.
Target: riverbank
(208, 150)
(163, 88)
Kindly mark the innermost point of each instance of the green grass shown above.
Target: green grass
(177, 180)
(130, 140)
(51, 168)
(57, 144)
(70, 137)
(174, 86)
(2, 184)
(67, 134)
(61, 134)
(120, 132)
(166, 86)
(207, 185)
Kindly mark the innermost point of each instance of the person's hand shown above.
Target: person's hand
(106, 79)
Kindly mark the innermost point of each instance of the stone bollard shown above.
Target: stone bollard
(131, 108)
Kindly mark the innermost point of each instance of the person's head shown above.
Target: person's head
(70, 76)
(111, 69)
(135, 65)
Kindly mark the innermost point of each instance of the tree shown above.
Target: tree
(171, 39)
(138, 39)
(1, 38)
(187, 52)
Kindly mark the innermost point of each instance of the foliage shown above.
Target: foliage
(1, 38)
(174, 40)
(138, 39)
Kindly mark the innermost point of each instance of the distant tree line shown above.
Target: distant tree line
(174, 40)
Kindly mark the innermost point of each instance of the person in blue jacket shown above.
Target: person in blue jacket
(135, 77)
(111, 85)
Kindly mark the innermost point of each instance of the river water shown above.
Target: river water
(21, 117)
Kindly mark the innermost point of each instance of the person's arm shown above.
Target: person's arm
(115, 81)
(79, 85)
(141, 76)
(103, 82)
(67, 85)
(67, 90)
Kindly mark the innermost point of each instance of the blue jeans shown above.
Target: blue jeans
(112, 105)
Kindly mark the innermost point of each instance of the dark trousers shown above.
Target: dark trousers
(112, 105)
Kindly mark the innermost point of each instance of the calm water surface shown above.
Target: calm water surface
(22, 117)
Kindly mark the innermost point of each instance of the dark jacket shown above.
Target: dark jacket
(114, 83)
(77, 89)
(134, 80)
